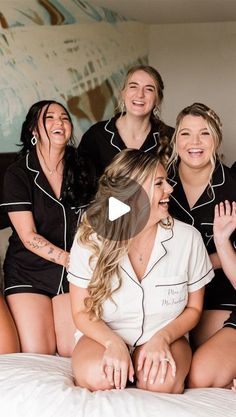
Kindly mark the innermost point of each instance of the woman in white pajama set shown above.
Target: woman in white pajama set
(134, 300)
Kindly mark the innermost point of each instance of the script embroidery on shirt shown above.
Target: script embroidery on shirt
(173, 297)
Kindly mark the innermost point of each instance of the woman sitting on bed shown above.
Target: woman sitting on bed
(9, 342)
(135, 293)
(44, 194)
(223, 227)
(200, 182)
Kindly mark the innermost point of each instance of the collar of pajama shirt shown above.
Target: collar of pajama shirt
(178, 264)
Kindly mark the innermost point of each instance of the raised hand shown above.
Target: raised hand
(224, 221)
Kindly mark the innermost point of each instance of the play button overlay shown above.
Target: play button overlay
(123, 214)
(116, 208)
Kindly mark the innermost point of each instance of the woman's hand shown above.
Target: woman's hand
(116, 364)
(155, 356)
(224, 222)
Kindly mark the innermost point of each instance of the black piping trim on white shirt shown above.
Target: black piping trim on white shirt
(78, 277)
(141, 288)
(198, 280)
(164, 254)
(139, 284)
(172, 285)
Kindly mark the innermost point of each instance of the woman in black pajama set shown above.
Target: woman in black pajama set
(200, 182)
(137, 126)
(44, 195)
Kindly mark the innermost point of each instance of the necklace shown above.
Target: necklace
(140, 257)
(143, 251)
(50, 171)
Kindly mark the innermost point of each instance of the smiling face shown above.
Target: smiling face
(160, 191)
(54, 126)
(195, 143)
(140, 94)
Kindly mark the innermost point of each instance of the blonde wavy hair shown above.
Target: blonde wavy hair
(214, 125)
(106, 252)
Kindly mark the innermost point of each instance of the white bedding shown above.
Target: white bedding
(42, 386)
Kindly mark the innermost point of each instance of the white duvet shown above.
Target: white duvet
(42, 386)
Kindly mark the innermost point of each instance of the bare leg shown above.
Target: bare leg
(214, 363)
(9, 342)
(64, 325)
(181, 352)
(211, 321)
(33, 316)
(86, 364)
(234, 385)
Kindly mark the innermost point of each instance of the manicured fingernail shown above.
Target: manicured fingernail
(162, 381)
(151, 381)
(145, 378)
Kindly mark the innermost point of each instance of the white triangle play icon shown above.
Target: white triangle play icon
(116, 208)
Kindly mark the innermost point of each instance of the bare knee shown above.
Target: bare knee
(64, 348)
(42, 342)
(200, 375)
(42, 349)
(175, 386)
(91, 380)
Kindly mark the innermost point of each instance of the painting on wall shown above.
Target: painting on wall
(67, 50)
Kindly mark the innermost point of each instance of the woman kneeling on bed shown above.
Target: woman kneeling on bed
(136, 282)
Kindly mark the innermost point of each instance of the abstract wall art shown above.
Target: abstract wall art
(67, 50)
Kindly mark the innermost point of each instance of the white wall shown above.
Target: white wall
(198, 63)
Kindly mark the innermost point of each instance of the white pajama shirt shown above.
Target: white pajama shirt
(178, 265)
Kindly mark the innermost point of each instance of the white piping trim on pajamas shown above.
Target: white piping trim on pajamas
(14, 204)
(18, 286)
(229, 322)
(151, 147)
(63, 209)
(113, 134)
(117, 147)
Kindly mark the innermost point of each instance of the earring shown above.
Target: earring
(122, 107)
(34, 140)
(156, 112)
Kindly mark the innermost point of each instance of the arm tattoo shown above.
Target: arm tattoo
(53, 260)
(37, 243)
(51, 250)
(60, 253)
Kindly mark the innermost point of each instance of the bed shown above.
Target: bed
(33, 385)
(42, 386)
